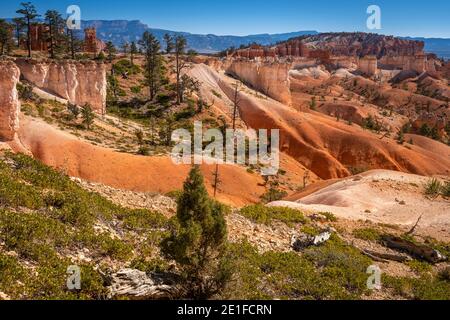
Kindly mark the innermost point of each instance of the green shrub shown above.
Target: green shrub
(423, 288)
(335, 272)
(125, 66)
(446, 189)
(368, 234)
(433, 187)
(330, 217)
(419, 266)
(273, 194)
(266, 215)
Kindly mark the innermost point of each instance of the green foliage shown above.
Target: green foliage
(446, 189)
(330, 217)
(60, 218)
(444, 274)
(136, 89)
(433, 187)
(266, 215)
(187, 113)
(332, 271)
(424, 288)
(419, 267)
(273, 194)
(25, 92)
(368, 234)
(126, 67)
(371, 124)
(74, 110)
(313, 104)
(87, 115)
(198, 240)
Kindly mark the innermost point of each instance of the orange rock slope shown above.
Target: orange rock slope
(330, 148)
(130, 172)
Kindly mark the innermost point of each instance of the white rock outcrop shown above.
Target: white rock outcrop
(9, 100)
(79, 82)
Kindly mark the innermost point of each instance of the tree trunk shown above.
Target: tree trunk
(29, 37)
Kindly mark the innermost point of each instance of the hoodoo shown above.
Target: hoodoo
(9, 100)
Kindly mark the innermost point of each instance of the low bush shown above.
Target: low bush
(266, 215)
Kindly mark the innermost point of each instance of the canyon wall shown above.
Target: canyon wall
(9, 100)
(79, 82)
(269, 78)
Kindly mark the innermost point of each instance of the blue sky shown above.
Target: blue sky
(243, 17)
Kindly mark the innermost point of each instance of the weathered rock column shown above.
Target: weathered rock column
(9, 100)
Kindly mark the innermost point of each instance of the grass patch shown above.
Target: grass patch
(368, 234)
(424, 288)
(332, 271)
(266, 215)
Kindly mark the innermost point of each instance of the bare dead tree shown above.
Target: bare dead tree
(216, 179)
(236, 102)
(413, 229)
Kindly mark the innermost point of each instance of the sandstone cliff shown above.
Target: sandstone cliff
(271, 79)
(78, 82)
(9, 100)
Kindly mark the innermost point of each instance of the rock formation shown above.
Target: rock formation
(9, 100)
(270, 78)
(342, 50)
(368, 65)
(78, 82)
(91, 43)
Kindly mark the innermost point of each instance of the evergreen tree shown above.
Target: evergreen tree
(111, 50)
(19, 24)
(55, 34)
(133, 51)
(153, 63)
(425, 130)
(29, 15)
(180, 47)
(6, 41)
(168, 39)
(198, 240)
(74, 44)
(88, 116)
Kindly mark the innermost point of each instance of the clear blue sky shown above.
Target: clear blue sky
(243, 17)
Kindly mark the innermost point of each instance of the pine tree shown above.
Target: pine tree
(29, 14)
(111, 50)
(153, 62)
(88, 116)
(180, 47)
(74, 45)
(6, 41)
(133, 51)
(19, 24)
(168, 39)
(55, 24)
(198, 240)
